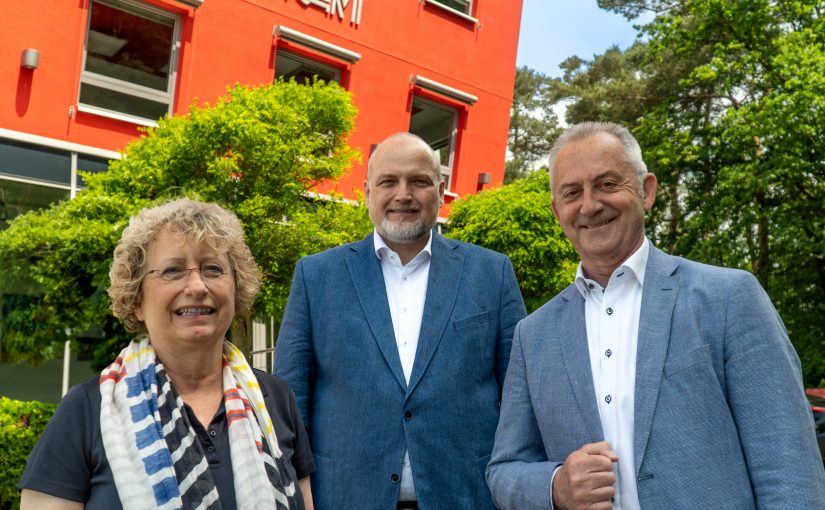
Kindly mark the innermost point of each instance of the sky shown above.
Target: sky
(552, 30)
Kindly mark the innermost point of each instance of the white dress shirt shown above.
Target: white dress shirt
(406, 293)
(612, 320)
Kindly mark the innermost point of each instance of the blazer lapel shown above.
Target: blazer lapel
(442, 289)
(576, 356)
(368, 280)
(658, 299)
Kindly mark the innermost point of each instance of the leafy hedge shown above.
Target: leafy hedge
(21, 424)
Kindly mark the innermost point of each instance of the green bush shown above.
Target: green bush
(21, 424)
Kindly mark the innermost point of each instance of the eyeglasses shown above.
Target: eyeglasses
(208, 272)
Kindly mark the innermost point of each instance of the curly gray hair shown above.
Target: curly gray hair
(196, 220)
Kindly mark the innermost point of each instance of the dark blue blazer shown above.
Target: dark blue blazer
(721, 419)
(336, 348)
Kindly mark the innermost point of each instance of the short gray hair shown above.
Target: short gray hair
(632, 150)
(404, 134)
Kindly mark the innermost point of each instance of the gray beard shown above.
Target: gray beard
(403, 232)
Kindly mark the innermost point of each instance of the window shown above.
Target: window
(437, 125)
(290, 65)
(19, 197)
(35, 163)
(89, 164)
(130, 60)
(53, 165)
(462, 6)
(302, 56)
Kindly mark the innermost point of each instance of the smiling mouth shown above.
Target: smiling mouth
(597, 225)
(193, 311)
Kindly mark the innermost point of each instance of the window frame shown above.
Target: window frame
(314, 51)
(303, 58)
(447, 170)
(73, 150)
(471, 6)
(125, 87)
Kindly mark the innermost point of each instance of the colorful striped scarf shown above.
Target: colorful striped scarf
(155, 456)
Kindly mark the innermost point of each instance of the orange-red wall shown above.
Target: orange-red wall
(229, 41)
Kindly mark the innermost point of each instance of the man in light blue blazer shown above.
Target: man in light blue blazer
(652, 382)
(396, 348)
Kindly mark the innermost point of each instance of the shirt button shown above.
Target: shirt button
(590, 286)
(210, 449)
(395, 478)
(609, 311)
(408, 415)
(608, 353)
(213, 433)
(608, 399)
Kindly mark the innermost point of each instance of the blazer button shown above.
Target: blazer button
(395, 478)
(408, 415)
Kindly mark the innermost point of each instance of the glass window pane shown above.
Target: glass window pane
(35, 162)
(130, 45)
(288, 65)
(19, 197)
(119, 102)
(90, 164)
(434, 124)
(459, 5)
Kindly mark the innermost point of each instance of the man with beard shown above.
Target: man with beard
(396, 348)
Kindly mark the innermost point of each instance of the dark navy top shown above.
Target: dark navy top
(69, 460)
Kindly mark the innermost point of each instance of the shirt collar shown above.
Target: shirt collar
(381, 247)
(635, 264)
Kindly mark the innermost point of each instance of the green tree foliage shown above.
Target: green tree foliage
(516, 219)
(256, 151)
(21, 424)
(533, 125)
(727, 100)
(323, 225)
(607, 88)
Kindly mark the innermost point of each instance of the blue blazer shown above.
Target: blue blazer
(337, 350)
(721, 420)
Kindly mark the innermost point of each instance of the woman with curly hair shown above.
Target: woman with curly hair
(179, 419)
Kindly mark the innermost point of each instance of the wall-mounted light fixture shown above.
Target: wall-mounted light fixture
(30, 58)
(483, 180)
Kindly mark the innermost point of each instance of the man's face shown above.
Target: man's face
(402, 196)
(598, 201)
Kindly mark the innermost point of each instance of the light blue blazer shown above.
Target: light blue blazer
(721, 420)
(337, 350)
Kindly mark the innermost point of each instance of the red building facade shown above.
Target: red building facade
(79, 77)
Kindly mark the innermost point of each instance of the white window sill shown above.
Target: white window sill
(451, 10)
(451, 194)
(117, 116)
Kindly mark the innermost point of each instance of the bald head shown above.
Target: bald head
(412, 146)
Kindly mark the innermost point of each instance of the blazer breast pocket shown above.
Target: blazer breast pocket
(475, 328)
(691, 380)
(471, 321)
(698, 356)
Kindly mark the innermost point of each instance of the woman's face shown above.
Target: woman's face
(182, 305)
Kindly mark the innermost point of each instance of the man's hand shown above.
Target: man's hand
(586, 479)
